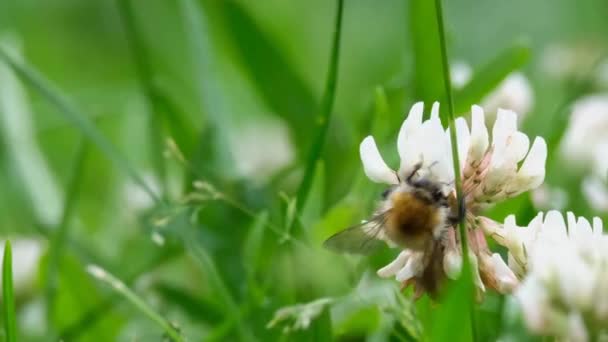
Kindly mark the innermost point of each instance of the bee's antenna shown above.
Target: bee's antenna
(417, 168)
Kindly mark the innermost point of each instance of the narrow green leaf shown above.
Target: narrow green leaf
(59, 238)
(134, 299)
(252, 248)
(428, 77)
(75, 117)
(488, 77)
(314, 207)
(91, 317)
(464, 288)
(208, 83)
(283, 90)
(450, 321)
(8, 298)
(144, 72)
(327, 105)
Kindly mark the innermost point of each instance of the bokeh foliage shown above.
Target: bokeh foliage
(133, 73)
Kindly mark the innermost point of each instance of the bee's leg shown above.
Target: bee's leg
(457, 217)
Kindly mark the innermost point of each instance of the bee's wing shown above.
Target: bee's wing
(364, 238)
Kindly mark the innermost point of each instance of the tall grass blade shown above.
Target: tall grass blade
(60, 236)
(8, 298)
(466, 269)
(283, 89)
(208, 84)
(427, 54)
(144, 72)
(134, 299)
(327, 105)
(75, 117)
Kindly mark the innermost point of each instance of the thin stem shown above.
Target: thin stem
(466, 271)
(8, 298)
(78, 119)
(143, 69)
(121, 288)
(454, 139)
(58, 239)
(327, 105)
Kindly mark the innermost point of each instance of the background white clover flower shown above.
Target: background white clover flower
(514, 92)
(585, 146)
(492, 170)
(564, 263)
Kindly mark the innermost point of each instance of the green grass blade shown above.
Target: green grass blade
(283, 89)
(58, 239)
(467, 279)
(8, 298)
(208, 84)
(91, 317)
(75, 117)
(327, 105)
(427, 53)
(122, 289)
(490, 75)
(144, 72)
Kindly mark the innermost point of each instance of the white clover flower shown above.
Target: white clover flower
(564, 264)
(547, 197)
(586, 131)
(262, 148)
(492, 170)
(585, 145)
(514, 92)
(571, 61)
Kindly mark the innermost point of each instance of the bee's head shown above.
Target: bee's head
(425, 189)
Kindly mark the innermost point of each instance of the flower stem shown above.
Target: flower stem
(327, 105)
(452, 127)
(466, 269)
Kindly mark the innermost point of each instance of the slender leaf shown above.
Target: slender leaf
(447, 326)
(8, 298)
(144, 71)
(424, 34)
(490, 75)
(97, 313)
(74, 116)
(282, 89)
(58, 239)
(208, 83)
(122, 289)
(327, 105)
(464, 288)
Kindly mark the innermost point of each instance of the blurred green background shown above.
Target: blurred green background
(237, 86)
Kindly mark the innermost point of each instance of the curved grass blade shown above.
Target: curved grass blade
(8, 298)
(327, 105)
(122, 289)
(75, 117)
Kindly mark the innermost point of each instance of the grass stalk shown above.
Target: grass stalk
(466, 269)
(75, 117)
(327, 105)
(122, 289)
(144, 73)
(59, 238)
(8, 297)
